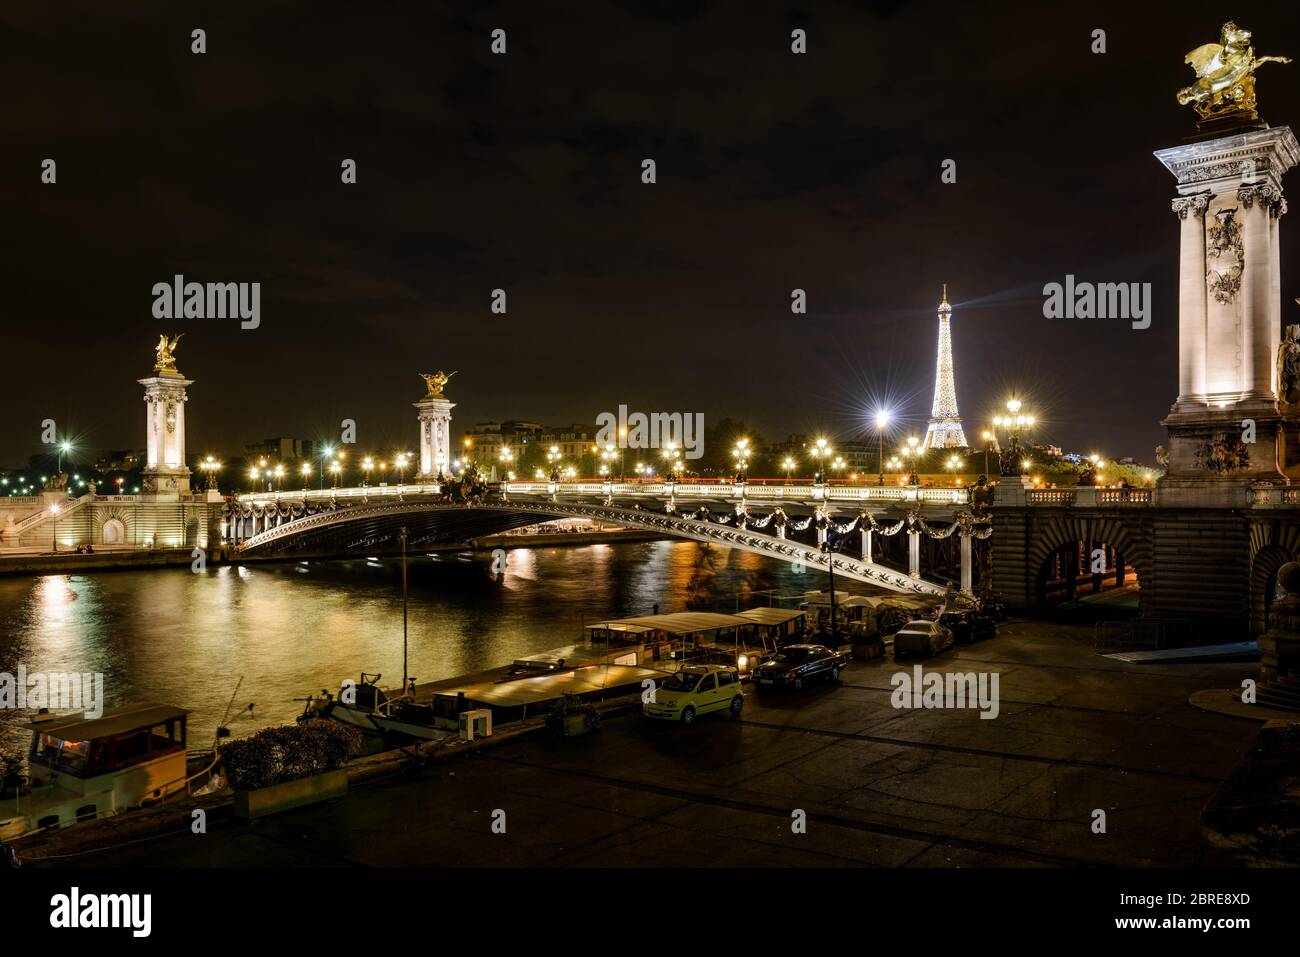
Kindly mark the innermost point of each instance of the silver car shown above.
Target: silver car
(922, 639)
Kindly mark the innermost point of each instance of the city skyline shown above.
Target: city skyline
(471, 177)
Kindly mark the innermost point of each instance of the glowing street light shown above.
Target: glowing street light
(367, 464)
(1014, 422)
(911, 453)
(788, 464)
(882, 420)
(306, 474)
(741, 455)
(209, 465)
(64, 447)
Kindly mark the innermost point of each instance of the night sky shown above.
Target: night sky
(523, 172)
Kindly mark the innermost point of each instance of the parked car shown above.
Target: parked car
(922, 638)
(796, 665)
(968, 626)
(696, 690)
(993, 607)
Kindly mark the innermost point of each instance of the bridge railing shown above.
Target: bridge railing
(731, 491)
(363, 492)
(1089, 495)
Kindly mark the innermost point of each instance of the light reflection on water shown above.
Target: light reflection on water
(291, 630)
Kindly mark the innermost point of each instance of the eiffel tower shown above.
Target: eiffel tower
(944, 431)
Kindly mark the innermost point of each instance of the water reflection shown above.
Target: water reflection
(292, 629)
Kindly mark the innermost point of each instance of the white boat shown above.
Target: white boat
(84, 768)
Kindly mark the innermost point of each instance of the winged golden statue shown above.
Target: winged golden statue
(435, 382)
(1225, 74)
(165, 361)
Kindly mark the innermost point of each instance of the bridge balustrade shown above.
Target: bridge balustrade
(729, 490)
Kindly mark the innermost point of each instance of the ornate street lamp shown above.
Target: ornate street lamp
(1015, 421)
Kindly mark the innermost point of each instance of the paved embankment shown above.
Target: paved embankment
(1075, 734)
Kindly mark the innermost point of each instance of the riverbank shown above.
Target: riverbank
(878, 785)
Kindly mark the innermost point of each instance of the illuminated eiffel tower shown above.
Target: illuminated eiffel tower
(944, 431)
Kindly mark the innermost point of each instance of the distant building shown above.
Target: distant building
(122, 460)
(281, 448)
(571, 441)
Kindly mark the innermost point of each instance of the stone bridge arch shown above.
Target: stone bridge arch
(379, 524)
(1272, 545)
(1130, 535)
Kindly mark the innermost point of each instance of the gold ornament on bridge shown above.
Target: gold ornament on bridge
(165, 361)
(1225, 76)
(435, 383)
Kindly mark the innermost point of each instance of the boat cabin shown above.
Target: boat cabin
(82, 768)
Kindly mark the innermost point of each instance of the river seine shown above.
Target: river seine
(290, 630)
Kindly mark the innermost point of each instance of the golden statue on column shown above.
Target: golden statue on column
(1225, 75)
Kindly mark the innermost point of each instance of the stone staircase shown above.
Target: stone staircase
(1281, 693)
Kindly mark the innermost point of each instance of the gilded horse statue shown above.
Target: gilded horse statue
(1225, 74)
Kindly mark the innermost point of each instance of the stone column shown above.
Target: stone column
(914, 552)
(165, 472)
(1191, 297)
(866, 544)
(1258, 292)
(435, 437)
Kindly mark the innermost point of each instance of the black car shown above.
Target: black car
(795, 665)
(968, 626)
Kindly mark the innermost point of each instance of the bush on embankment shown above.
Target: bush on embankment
(275, 755)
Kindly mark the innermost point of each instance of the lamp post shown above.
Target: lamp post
(325, 452)
(882, 420)
(366, 465)
(64, 446)
(820, 450)
(54, 539)
(911, 454)
(336, 468)
(954, 463)
(741, 455)
(279, 478)
(1014, 422)
(988, 441)
(788, 465)
(306, 474)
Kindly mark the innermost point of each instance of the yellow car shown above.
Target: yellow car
(696, 690)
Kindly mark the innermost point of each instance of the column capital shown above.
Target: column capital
(1269, 197)
(1196, 204)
